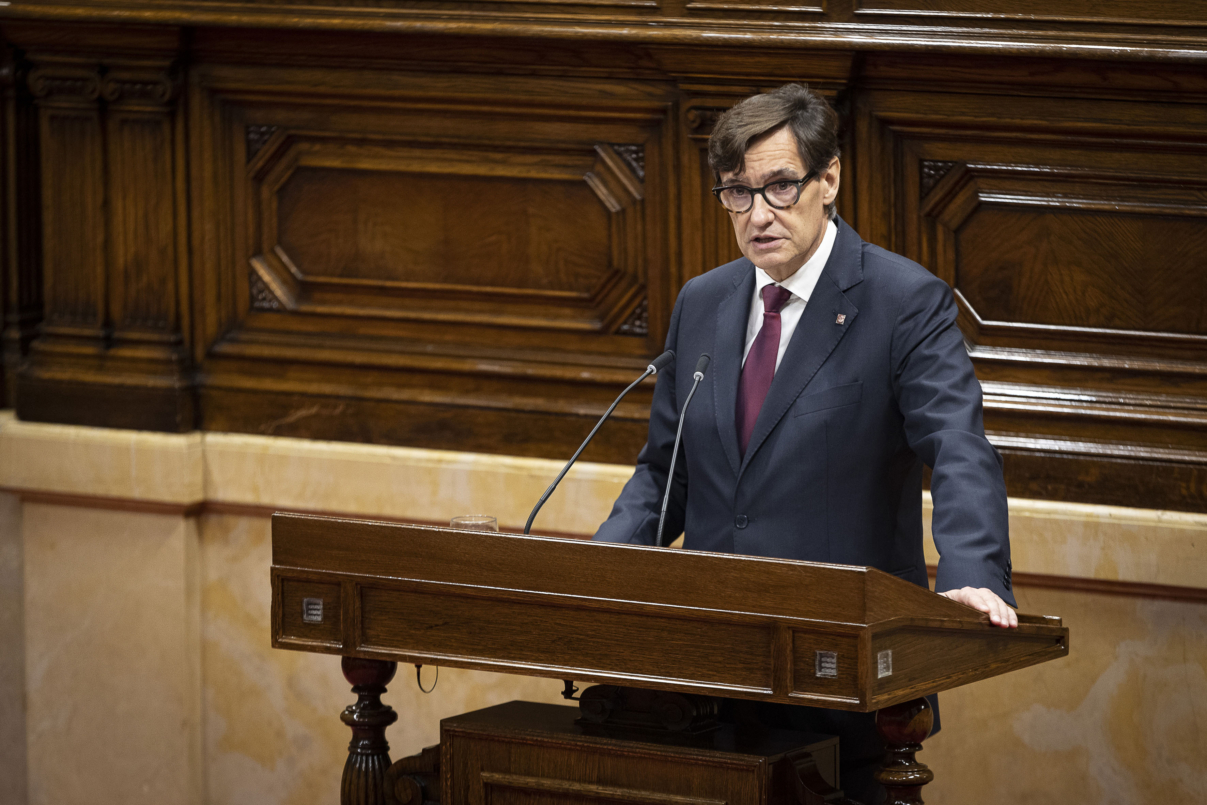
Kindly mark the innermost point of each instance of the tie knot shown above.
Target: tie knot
(774, 298)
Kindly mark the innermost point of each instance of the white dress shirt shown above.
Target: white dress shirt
(800, 285)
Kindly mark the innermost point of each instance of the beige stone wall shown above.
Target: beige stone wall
(1122, 720)
(112, 656)
(12, 654)
(148, 675)
(272, 732)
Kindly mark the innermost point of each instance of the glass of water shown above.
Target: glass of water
(475, 522)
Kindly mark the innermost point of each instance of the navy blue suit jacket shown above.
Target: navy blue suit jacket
(833, 472)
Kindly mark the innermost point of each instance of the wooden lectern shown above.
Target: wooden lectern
(662, 631)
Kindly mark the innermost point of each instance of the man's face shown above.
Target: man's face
(780, 241)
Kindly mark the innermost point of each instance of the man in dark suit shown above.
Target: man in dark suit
(837, 372)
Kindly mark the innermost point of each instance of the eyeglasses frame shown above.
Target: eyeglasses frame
(762, 191)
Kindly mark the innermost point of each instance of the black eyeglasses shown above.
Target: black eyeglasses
(780, 194)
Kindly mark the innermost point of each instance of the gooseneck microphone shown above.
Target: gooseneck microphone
(701, 368)
(656, 366)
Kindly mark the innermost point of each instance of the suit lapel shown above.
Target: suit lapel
(730, 338)
(816, 336)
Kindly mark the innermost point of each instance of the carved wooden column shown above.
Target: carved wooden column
(20, 254)
(364, 781)
(904, 727)
(72, 183)
(111, 350)
(147, 243)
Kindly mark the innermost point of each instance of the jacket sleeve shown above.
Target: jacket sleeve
(634, 517)
(941, 402)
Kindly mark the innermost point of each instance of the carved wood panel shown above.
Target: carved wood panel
(476, 234)
(20, 203)
(112, 230)
(428, 248)
(73, 195)
(140, 131)
(1069, 257)
(1072, 234)
(1165, 12)
(445, 232)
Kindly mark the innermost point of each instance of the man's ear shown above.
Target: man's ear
(829, 181)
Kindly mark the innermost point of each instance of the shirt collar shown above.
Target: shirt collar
(802, 283)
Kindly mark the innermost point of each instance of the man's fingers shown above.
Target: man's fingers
(984, 600)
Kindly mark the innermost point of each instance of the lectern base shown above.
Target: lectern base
(523, 753)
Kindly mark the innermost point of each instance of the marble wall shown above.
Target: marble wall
(112, 656)
(1121, 720)
(272, 732)
(12, 654)
(148, 677)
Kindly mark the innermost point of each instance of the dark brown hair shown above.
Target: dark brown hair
(807, 115)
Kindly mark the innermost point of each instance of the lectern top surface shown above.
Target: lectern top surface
(580, 568)
(776, 630)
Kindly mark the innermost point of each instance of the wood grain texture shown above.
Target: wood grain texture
(1169, 12)
(521, 752)
(73, 195)
(112, 231)
(464, 225)
(532, 630)
(627, 615)
(984, 26)
(1074, 269)
(20, 217)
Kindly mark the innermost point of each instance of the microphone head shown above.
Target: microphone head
(702, 366)
(661, 362)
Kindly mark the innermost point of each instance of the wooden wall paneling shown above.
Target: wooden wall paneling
(312, 409)
(664, 236)
(708, 235)
(1116, 30)
(218, 293)
(7, 109)
(72, 175)
(407, 244)
(870, 172)
(1176, 13)
(352, 269)
(147, 231)
(1072, 232)
(843, 103)
(450, 234)
(109, 351)
(1144, 302)
(73, 193)
(20, 258)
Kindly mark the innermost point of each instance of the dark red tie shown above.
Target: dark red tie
(759, 368)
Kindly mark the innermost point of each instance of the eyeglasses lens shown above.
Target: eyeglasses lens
(783, 193)
(736, 199)
(741, 199)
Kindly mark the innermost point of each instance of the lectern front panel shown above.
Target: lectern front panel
(435, 622)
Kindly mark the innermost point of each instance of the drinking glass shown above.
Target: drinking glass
(475, 522)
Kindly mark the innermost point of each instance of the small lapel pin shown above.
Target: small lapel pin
(842, 317)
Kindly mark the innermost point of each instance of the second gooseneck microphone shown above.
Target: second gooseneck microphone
(701, 368)
(656, 366)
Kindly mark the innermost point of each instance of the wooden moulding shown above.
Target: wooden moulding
(843, 637)
(986, 26)
(307, 234)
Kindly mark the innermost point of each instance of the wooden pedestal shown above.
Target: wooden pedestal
(523, 753)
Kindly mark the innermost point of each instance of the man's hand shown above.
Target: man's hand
(1000, 613)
